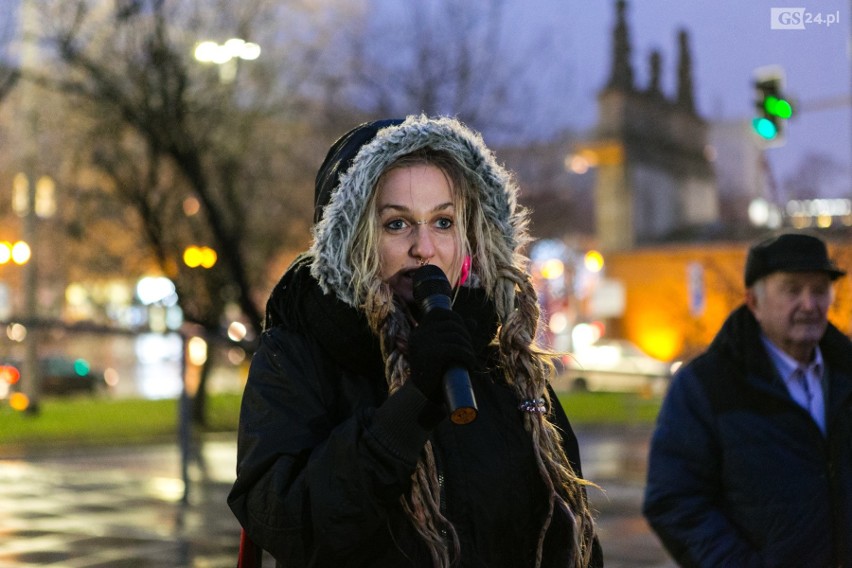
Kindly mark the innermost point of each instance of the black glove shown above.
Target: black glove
(479, 315)
(439, 342)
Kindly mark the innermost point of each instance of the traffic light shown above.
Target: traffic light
(773, 109)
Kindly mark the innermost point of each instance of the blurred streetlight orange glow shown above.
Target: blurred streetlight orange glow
(204, 257)
(16, 332)
(9, 374)
(21, 253)
(208, 257)
(45, 197)
(191, 206)
(552, 268)
(197, 351)
(577, 163)
(19, 401)
(237, 331)
(111, 376)
(593, 261)
(20, 194)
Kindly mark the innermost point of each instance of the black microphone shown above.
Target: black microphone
(432, 291)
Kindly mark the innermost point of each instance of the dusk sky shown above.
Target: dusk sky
(729, 39)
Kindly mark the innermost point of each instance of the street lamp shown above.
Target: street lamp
(593, 261)
(226, 55)
(199, 256)
(594, 154)
(19, 253)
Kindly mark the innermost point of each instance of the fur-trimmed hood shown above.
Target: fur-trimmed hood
(346, 199)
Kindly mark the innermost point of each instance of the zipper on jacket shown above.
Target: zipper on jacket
(443, 498)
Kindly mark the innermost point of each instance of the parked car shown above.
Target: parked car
(59, 375)
(613, 365)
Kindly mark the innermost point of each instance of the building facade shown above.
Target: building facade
(655, 180)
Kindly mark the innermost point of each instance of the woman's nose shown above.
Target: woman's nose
(423, 245)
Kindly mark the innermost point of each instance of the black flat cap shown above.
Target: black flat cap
(789, 252)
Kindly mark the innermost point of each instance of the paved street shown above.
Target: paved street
(117, 508)
(124, 508)
(615, 459)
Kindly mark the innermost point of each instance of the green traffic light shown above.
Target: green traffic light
(764, 128)
(777, 107)
(81, 367)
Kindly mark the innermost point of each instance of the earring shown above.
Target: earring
(465, 270)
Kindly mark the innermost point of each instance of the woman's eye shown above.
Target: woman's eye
(396, 225)
(444, 223)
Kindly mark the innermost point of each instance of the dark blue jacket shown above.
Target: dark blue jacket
(739, 474)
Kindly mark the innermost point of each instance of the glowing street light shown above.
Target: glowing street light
(234, 48)
(226, 55)
(552, 269)
(21, 253)
(5, 252)
(196, 351)
(593, 261)
(41, 200)
(18, 253)
(19, 401)
(154, 289)
(595, 154)
(194, 256)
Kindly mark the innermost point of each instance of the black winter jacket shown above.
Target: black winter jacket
(325, 454)
(739, 474)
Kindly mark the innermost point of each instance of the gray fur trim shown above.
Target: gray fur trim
(333, 235)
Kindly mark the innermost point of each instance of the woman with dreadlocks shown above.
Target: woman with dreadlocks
(346, 453)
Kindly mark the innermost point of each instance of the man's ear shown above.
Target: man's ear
(751, 299)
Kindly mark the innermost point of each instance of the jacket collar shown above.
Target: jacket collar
(297, 302)
(739, 343)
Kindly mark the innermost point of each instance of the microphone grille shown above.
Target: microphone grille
(430, 280)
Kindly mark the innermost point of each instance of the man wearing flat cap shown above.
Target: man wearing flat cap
(751, 459)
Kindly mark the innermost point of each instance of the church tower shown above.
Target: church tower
(654, 181)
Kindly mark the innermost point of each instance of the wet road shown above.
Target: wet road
(616, 460)
(126, 507)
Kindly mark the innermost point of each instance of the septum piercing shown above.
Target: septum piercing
(422, 262)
